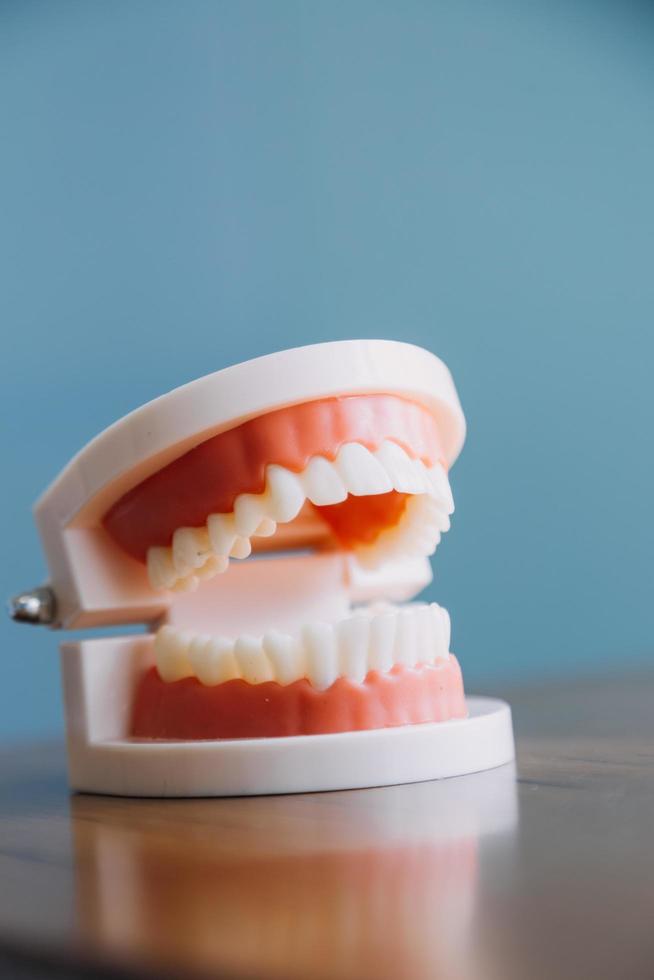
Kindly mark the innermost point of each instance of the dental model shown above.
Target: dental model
(269, 523)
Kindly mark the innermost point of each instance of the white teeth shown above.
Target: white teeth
(213, 660)
(374, 637)
(353, 634)
(213, 566)
(447, 632)
(248, 514)
(241, 548)
(441, 487)
(441, 631)
(382, 641)
(252, 661)
(399, 466)
(361, 473)
(266, 528)
(422, 475)
(221, 533)
(161, 571)
(406, 638)
(285, 655)
(425, 647)
(200, 553)
(322, 484)
(171, 654)
(191, 548)
(320, 647)
(286, 496)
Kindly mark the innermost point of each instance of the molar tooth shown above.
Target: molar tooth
(399, 467)
(441, 487)
(190, 548)
(248, 513)
(353, 647)
(213, 661)
(265, 528)
(252, 661)
(285, 655)
(221, 533)
(285, 493)
(382, 641)
(161, 570)
(360, 471)
(322, 484)
(171, 654)
(241, 548)
(406, 638)
(212, 566)
(321, 655)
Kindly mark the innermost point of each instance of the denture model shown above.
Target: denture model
(269, 523)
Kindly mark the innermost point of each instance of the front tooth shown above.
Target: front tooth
(406, 638)
(322, 484)
(361, 472)
(221, 533)
(241, 548)
(213, 661)
(248, 513)
(321, 654)
(441, 487)
(190, 548)
(171, 654)
(353, 647)
(161, 570)
(422, 475)
(285, 493)
(425, 635)
(382, 641)
(252, 661)
(285, 654)
(399, 466)
(442, 627)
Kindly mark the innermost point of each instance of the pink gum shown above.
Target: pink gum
(186, 709)
(207, 479)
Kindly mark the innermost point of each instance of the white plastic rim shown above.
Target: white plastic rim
(299, 764)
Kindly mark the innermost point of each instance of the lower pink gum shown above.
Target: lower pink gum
(188, 710)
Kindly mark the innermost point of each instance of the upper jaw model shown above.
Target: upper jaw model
(268, 522)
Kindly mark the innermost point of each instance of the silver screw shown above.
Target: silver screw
(37, 607)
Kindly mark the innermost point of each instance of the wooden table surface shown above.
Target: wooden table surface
(547, 873)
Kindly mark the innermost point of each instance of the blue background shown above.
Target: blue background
(184, 185)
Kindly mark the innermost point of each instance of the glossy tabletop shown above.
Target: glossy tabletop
(547, 871)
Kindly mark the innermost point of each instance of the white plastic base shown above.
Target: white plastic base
(301, 764)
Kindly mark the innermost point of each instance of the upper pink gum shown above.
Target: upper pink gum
(207, 479)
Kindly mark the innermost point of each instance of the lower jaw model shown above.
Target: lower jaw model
(268, 522)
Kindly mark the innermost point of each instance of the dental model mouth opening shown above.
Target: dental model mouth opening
(365, 474)
(271, 525)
